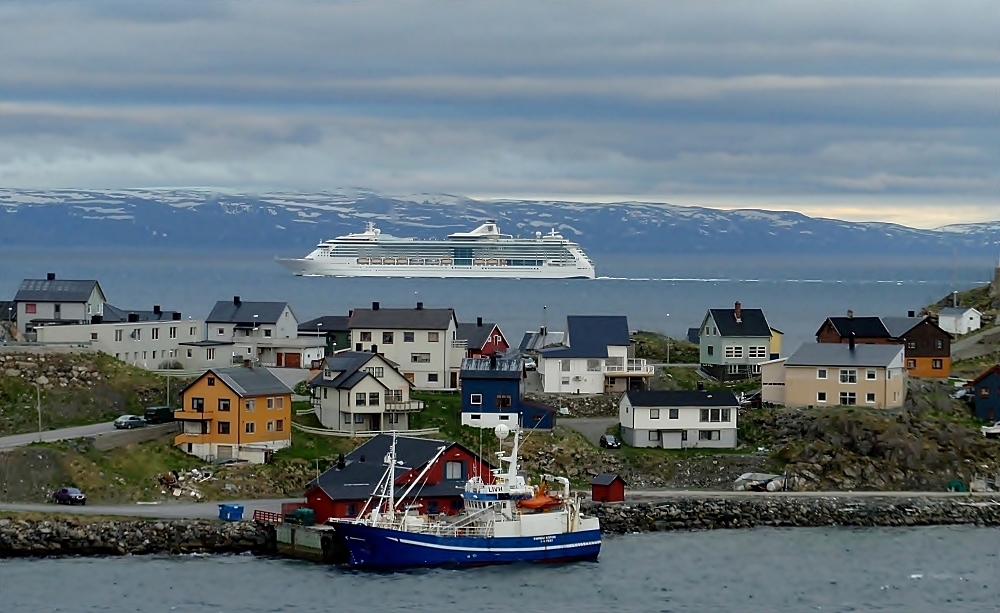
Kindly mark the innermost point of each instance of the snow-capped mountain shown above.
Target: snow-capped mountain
(292, 223)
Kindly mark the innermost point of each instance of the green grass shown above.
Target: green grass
(656, 347)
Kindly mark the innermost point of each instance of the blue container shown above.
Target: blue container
(230, 512)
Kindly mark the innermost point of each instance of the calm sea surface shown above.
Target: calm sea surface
(662, 293)
(931, 570)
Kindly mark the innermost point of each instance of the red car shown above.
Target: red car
(69, 495)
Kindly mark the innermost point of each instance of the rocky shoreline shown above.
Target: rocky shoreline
(80, 536)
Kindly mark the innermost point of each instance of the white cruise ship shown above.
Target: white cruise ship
(483, 252)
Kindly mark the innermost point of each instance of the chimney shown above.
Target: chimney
(850, 314)
(911, 313)
(420, 306)
(739, 313)
(237, 301)
(701, 386)
(50, 276)
(176, 316)
(133, 317)
(479, 322)
(851, 341)
(156, 309)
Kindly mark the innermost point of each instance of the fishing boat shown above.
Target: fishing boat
(505, 520)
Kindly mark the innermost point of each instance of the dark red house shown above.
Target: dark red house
(608, 487)
(343, 489)
(483, 339)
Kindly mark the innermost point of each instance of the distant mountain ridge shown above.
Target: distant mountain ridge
(292, 223)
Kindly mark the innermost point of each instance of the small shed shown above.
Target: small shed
(608, 487)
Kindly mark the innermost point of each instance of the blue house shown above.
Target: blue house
(986, 394)
(492, 394)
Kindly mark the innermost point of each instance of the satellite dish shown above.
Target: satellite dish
(501, 431)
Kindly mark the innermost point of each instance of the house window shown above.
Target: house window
(155, 334)
(377, 371)
(93, 336)
(407, 337)
(848, 398)
(612, 381)
(137, 334)
(937, 364)
(735, 369)
(848, 376)
(198, 405)
(654, 435)
(503, 401)
(505, 418)
(870, 398)
(564, 365)
(433, 337)
(373, 399)
(757, 352)
(279, 425)
(118, 335)
(366, 337)
(911, 344)
(250, 428)
(210, 354)
(726, 414)
(270, 426)
(144, 355)
(250, 405)
(476, 417)
(267, 333)
(711, 350)
(359, 418)
(154, 355)
(476, 399)
(654, 413)
(393, 396)
(709, 435)
(594, 365)
(984, 392)
(564, 381)
(734, 351)
(223, 404)
(173, 353)
(911, 364)
(279, 402)
(820, 396)
(223, 427)
(172, 332)
(684, 435)
(432, 377)
(324, 393)
(270, 403)
(387, 338)
(392, 418)
(31, 308)
(360, 399)
(190, 352)
(221, 331)
(211, 382)
(192, 331)
(420, 358)
(715, 415)
(674, 414)
(870, 375)
(454, 471)
(939, 344)
(703, 415)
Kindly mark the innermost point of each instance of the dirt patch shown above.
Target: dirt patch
(31, 474)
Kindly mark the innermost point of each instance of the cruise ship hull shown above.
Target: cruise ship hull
(316, 268)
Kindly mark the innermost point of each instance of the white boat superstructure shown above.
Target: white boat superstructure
(483, 252)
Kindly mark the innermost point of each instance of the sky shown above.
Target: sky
(884, 110)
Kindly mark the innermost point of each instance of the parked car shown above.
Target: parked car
(610, 441)
(991, 431)
(529, 364)
(158, 415)
(69, 495)
(126, 422)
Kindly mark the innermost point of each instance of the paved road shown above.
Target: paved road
(48, 436)
(166, 510)
(590, 427)
(969, 346)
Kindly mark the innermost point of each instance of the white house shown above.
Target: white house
(267, 333)
(40, 302)
(595, 357)
(679, 419)
(358, 391)
(423, 342)
(959, 320)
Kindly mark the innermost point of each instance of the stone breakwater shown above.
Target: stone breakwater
(788, 511)
(66, 537)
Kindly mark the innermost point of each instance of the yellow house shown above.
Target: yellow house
(775, 344)
(242, 413)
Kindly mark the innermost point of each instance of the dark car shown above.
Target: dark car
(610, 441)
(69, 495)
(158, 415)
(126, 422)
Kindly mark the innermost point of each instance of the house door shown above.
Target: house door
(225, 452)
(376, 422)
(293, 360)
(454, 380)
(280, 360)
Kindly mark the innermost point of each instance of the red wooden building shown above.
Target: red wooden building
(608, 487)
(343, 489)
(482, 339)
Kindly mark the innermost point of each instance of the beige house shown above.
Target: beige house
(828, 374)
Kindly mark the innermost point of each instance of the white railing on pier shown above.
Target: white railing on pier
(362, 433)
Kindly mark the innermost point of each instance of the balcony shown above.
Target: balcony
(460, 344)
(189, 414)
(628, 368)
(404, 407)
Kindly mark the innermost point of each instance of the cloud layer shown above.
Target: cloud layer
(885, 110)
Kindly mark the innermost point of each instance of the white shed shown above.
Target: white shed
(959, 320)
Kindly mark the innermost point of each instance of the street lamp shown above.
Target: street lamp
(668, 343)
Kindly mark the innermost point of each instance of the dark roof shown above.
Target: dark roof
(752, 322)
(348, 364)
(475, 334)
(331, 323)
(534, 404)
(606, 479)
(480, 368)
(841, 354)
(57, 290)
(534, 341)
(590, 335)
(874, 327)
(989, 371)
(402, 319)
(956, 311)
(899, 326)
(227, 311)
(248, 382)
(682, 398)
(113, 314)
(694, 335)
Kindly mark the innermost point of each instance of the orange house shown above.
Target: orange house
(242, 413)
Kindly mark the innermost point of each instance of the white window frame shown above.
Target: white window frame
(846, 374)
(654, 413)
(734, 351)
(821, 397)
(871, 375)
(822, 373)
(476, 399)
(845, 398)
(870, 398)
(757, 352)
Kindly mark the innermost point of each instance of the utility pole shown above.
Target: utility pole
(38, 392)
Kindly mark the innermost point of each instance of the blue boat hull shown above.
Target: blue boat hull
(382, 548)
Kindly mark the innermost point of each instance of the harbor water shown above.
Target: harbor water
(936, 569)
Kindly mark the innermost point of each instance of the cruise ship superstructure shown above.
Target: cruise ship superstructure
(483, 252)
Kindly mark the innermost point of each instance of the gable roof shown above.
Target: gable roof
(606, 479)
(331, 323)
(590, 335)
(113, 314)
(752, 322)
(841, 354)
(240, 312)
(247, 382)
(479, 368)
(349, 364)
(535, 341)
(899, 326)
(474, 334)
(953, 311)
(402, 319)
(57, 290)
(694, 335)
(989, 371)
(873, 327)
(682, 398)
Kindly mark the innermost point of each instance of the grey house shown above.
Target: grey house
(52, 301)
(735, 342)
(679, 419)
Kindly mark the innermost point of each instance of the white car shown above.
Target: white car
(529, 364)
(991, 431)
